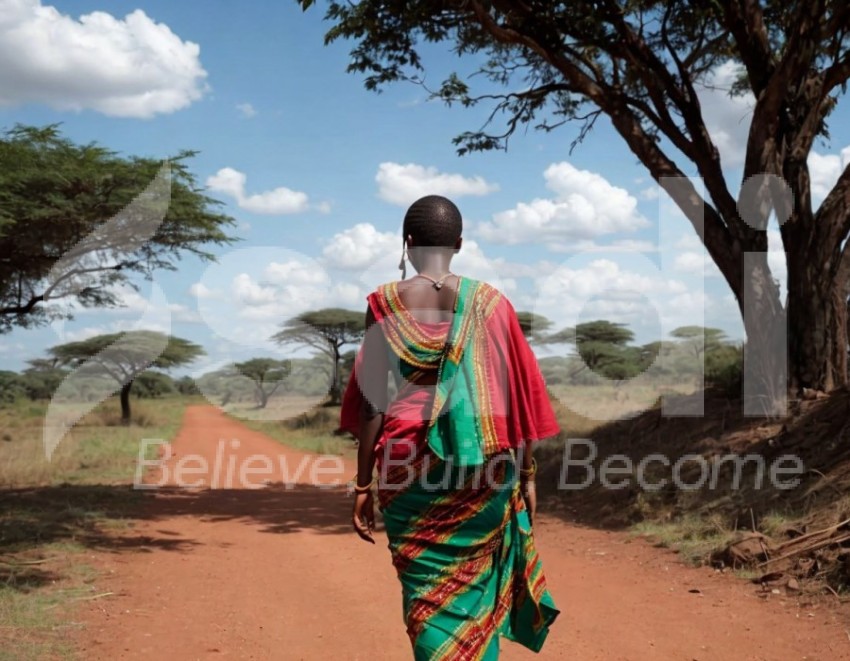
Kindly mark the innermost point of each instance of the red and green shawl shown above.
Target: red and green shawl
(489, 395)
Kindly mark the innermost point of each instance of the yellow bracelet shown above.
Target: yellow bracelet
(529, 472)
(359, 489)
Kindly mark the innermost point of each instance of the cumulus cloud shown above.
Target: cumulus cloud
(824, 170)
(130, 67)
(275, 202)
(404, 184)
(697, 263)
(246, 296)
(585, 207)
(603, 289)
(726, 117)
(372, 256)
(360, 246)
(200, 290)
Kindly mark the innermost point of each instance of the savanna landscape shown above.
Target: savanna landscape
(176, 483)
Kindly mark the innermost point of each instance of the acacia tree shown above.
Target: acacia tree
(603, 348)
(124, 356)
(326, 330)
(639, 62)
(77, 220)
(534, 326)
(699, 339)
(267, 374)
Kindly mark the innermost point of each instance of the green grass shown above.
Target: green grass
(97, 450)
(54, 510)
(35, 601)
(695, 538)
(300, 427)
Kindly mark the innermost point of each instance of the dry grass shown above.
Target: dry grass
(309, 429)
(53, 510)
(589, 406)
(98, 449)
(816, 432)
(694, 537)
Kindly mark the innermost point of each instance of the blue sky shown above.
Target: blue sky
(318, 172)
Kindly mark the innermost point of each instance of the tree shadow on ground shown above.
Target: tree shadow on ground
(102, 517)
(817, 432)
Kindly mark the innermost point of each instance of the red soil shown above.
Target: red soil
(277, 573)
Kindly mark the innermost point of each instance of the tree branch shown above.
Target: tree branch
(745, 21)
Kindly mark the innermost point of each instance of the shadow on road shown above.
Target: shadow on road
(102, 517)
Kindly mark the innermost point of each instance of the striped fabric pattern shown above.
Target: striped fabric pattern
(462, 546)
(460, 359)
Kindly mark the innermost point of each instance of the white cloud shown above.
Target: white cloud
(604, 289)
(622, 245)
(696, 263)
(776, 259)
(247, 292)
(180, 312)
(133, 67)
(200, 290)
(404, 184)
(824, 170)
(728, 121)
(585, 207)
(360, 246)
(650, 193)
(295, 273)
(374, 256)
(726, 117)
(246, 110)
(278, 201)
(250, 292)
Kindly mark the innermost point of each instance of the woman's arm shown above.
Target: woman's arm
(527, 477)
(372, 381)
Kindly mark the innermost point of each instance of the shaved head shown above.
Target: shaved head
(433, 221)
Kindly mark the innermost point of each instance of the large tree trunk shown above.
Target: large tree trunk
(765, 377)
(817, 325)
(125, 403)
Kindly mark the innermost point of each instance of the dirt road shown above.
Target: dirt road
(276, 573)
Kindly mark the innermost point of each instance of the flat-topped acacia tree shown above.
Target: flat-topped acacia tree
(78, 220)
(124, 356)
(327, 330)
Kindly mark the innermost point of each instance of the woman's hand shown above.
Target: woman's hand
(363, 516)
(529, 495)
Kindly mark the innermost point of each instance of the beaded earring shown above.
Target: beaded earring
(402, 265)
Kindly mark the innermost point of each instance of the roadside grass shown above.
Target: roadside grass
(693, 537)
(302, 423)
(54, 511)
(98, 449)
(723, 484)
(582, 408)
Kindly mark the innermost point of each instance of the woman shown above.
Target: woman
(456, 474)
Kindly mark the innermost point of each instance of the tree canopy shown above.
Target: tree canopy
(124, 356)
(326, 330)
(267, 375)
(78, 220)
(534, 326)
(603, 348)
(641, 64)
